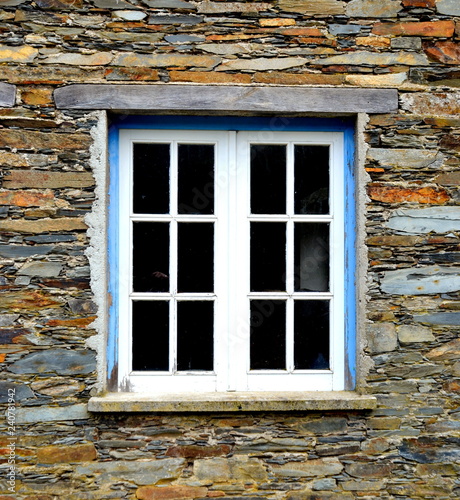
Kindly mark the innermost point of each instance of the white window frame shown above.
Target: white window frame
(232, 279)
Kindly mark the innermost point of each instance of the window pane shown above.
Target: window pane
(196, 179)
(311, 171)
(268, 179)
(151, 335)
(311, 334)
(150, 257)
(151, 178)
(311, 258)
(268, 256)
(268, 335)
(195, 338)
(195, 257)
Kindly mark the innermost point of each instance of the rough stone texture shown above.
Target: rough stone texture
(400, 439)
(421, 281)
(59, 361)
(425, 220)
(370, 8)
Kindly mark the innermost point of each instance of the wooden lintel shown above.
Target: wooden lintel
(226, 99)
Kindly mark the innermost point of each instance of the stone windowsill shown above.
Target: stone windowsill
(232, 401)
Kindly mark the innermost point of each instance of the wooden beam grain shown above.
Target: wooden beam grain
(226, 99)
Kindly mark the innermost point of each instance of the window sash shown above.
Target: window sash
(232, 290)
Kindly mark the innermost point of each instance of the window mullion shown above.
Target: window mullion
(290, 271)
(173, 259)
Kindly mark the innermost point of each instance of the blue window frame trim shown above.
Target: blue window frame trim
(274, 124)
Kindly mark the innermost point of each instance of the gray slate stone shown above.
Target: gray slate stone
(21, 391)
(381, 337)
(43, 269)
(325, 425)
(8, 319)
(141, 473)
(78, 306)
(421, 281)
(406, 42)
(372, 8)
(425, 220)
(175, 19)
(51, 238)
(184, 38)
(7, 93)
(114, 4)
(448, 7)
(346, 29)
(169, 4)
(414, 158)
(60, 361)
(34, 414)
(444, 318)
(18, 251)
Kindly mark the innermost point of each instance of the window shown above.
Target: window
(232, 258)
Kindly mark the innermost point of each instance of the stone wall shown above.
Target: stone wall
(409, 447)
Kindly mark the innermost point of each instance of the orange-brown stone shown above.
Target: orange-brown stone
(396, 194)
(278, 21)
(444, 52)
(302, 32)
(71, 322)
(43, 179)
(170, 492)
(37, 97)
(26, 198)
(280, 78)
(208, 77)
(434, 28)
(26, 139)
(193, 451)
(420, 3)
(66, 454)
(27, 300)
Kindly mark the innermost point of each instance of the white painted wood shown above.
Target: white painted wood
(238, 99)
(232, 286)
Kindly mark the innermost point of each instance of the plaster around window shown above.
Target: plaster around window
(7, 95)
(96, 252)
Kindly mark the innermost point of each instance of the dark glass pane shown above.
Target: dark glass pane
(150, 335)
(195, 337)
(268, 179)
(151, 256)
(311, 334)
(311, 173)
(311, 259)
(196, 179)
(151, 178)
(268, 256)
(268, 335)
(195, 257)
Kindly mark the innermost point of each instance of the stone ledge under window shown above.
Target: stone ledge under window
(232, 402)
(226, 99)
(7, 95)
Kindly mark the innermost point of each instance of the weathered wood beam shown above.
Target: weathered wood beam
(226, 99)
(7, 95)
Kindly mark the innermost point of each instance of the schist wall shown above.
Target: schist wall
(398, 62)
